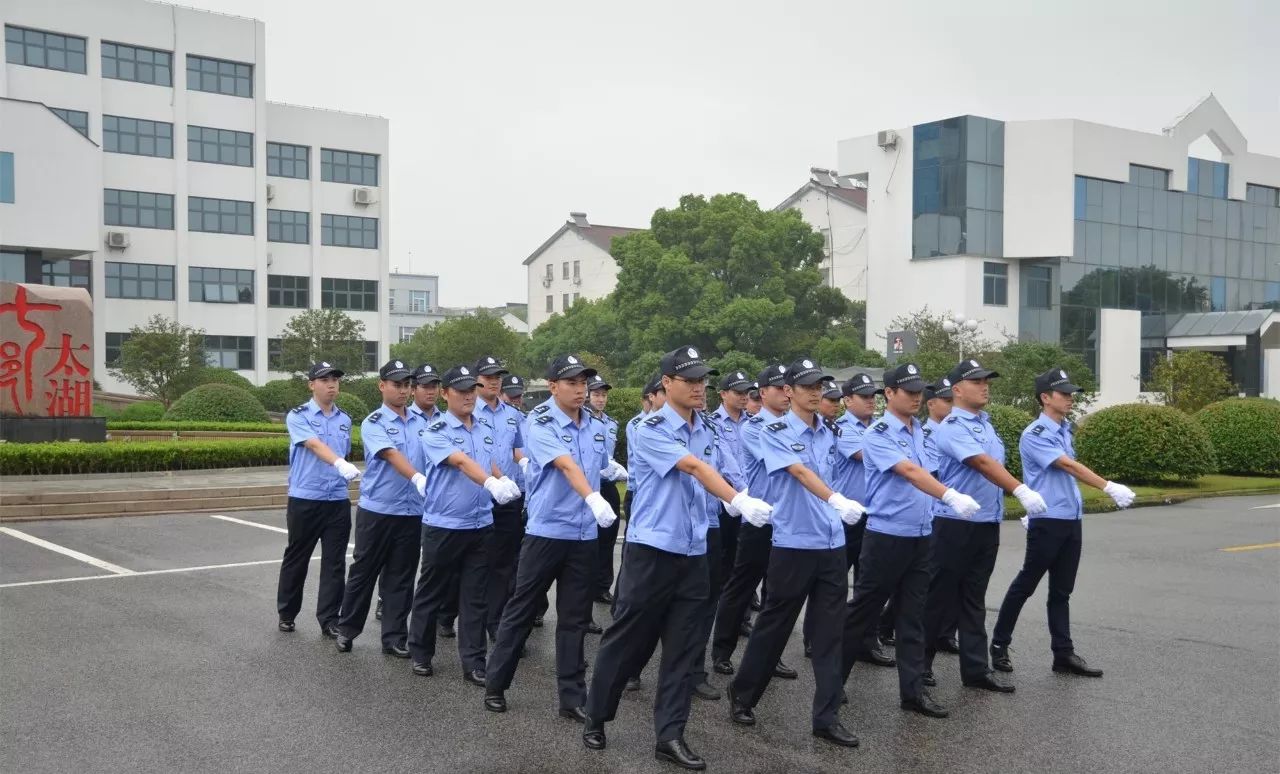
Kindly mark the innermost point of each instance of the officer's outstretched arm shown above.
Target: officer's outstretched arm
(920, 478)
(706, 475)
(321, 450)
(469, 467)
(398, 462)
(1081, 472)
(810, 480)
(993, 471)
(573, 474)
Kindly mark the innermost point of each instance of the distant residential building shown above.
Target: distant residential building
(412, 302)
(836, 207)
(575, 263)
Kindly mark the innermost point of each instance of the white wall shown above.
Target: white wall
(1119, 367)
(598, 270)
(1039, 189)
(848, 226)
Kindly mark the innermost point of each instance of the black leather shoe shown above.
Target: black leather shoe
(474, 676)
(677, 752)
(605, 598)
(537, 622)
(808, 650)
(286, 626)
(887, 639)
(330, 631)
(574, 713)
(740, 713)
(723, 667)
(399, 651)
(377, 611)
(755, 601)
(633, 684)
(593, 735)
(837, 734)
(925, 705)
(524, 650)
(877, 657)
(1074, 665)
(423, 670)
(928, 679)
(594, 628)
(706, 691)
(342, 643)
(781, 670)
(745, 629)
(989, 683)
(948, 645)
(447, 631)
(1000, 660)
(494, 701)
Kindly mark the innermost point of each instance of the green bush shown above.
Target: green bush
(201, 376)
(144, 411)
(355, 408)
(105, 411)
(1009, 423)
(217, 403)
(624, 403)
(1136, 443)
(1245, 433)
(38, 459)
(363, 387)
(281, 395)
(225, 427)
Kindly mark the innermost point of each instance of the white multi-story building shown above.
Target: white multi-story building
(1113, 242)
(146, 164)
(574, 263)
(837, 208)
(413, 302)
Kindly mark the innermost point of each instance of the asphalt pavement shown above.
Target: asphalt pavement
(155, 649)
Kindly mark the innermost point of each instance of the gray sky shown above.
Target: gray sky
(507, 115)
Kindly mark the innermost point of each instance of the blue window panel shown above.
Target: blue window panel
(1218, 294)
(1081, 198)
(6, 177)
(1220, 180)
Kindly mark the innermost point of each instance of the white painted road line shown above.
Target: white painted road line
(57, 549)
(234, 520)
(1260, 507)
(143, 573)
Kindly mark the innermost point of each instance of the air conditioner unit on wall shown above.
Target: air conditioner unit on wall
(546, 282)
(577, 280)
(364, 196)
(271, 191)
(117, 239)
(887, 138)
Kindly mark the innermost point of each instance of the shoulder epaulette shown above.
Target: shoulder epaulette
(542, 420)
(300, 409)
(880, 427)
(635, 420)
(541, 409)
(485, 422)
(833, 427)
(776, 426)
(928, 431)
(438, 426)
(375, 416)
(1037, 430)
(653, 421)
(755, 419)
(950, 419)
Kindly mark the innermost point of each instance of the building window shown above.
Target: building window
(113, 344)
(1262, 194)
(1149, 177)
(288, 291)
(575, 298)
(406, 333)
(995, 284)
(1039, 282)
(219, 216)
(419, 300)
(137, 136)
(275, 350)
(220, 286)
(551, 305)
(13, 266)
(391, 300)
(137, 208)
(66, 273)
(139, 280)
(349, 231)
(219, 146)
(370, 356)
(284, 160)
(6, 177)
(135, 63)
(577, 270)
(337, 166)
(1207, 178)
(76, 119)
(219, 76)
(564, 302)
(49, 50)
(233, 352)
(289, 226)
(826, 241)
(958, 188)
(564, 270)
(350, 294)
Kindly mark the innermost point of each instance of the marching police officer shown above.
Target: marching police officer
(566, 450)
(388, 515)
(1053, 537)
(937, 403)
(513, 391)
(463, 481)
(807, 560)
(319, 507)
(598, 399)
(970, 457)
(662, 589)
(729, 418)
(896, 546)
(753, 400)
(829, 405)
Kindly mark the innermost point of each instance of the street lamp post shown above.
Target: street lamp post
(960, 323)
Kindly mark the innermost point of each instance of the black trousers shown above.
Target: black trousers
(749, 567)
(455, 562)
(797, 576)
(729, 528)
(386, 545)
(606, 541)
(893, 568)
(715, 580)
(504, 550)
(1053, 546)
(852, 547)
(327, 522)
(570, 564)
(662, 597)
(964, 554)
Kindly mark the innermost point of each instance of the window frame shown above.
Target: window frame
(68, 53)
(330, 229)
(277, 160)
(242, 346)
(300, 291)
(138, 66)
(330, 293)
(122, 207)
(199, 281)
(112, 128)
(276, 223)
(329, 167)
(242, 209)
(997, 282)
(236, 75)
(122, 270)
(239, 144)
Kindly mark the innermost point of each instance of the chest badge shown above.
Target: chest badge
(797, 447)
(392, 431)
(567, 438)
(488, 440)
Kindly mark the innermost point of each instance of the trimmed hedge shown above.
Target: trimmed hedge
(145, 411)
(1137, 443)
(1245, 433)
(213, 427)
(201, 376)
(355, 408)
(281, 395)
(34, 459)
(217, 403)
(1009, 423)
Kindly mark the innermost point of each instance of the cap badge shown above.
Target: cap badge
(399, 364)
(691, 352)
(572, 359)
(946, 382)
(973, 363)
(807, 363)
(491, 360)
(740, 376)
(911, 369)
(782, 369)
(866, 379)
(427, 369)
(1063, 374)
(463, 370)
(325, 365)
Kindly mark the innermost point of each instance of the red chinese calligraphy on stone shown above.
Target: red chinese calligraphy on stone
(39, 377)
(21, 308)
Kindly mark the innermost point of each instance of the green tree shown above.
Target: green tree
(1191, 380)
(937, 350)
(1018, 365)
(158, 357)
(461, 341)
(588, 326)
(315, 335)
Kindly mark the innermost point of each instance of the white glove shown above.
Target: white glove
(511, 493)
(614, 472)
(756, 511)
(499, 491)
(601, 510)
(964, 505)
(420, 483)
(1026, 522)
(851, 511)
(1121, 494)
(732, 509)
(1031, 500)
(524, 466)
(345, 469)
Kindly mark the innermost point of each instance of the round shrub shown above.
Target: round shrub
(142, 411)
(283, 394)
(1009, 423)
(1136, 442)
(355, 408)
(199, 376)
(363, 387)
(217, 403)
(1245, 433)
